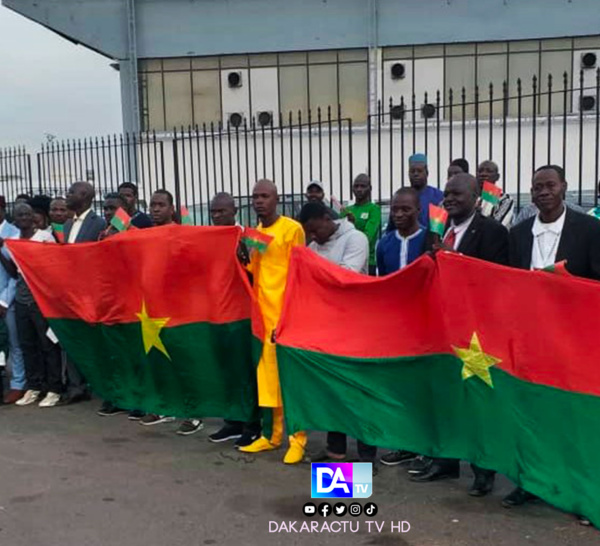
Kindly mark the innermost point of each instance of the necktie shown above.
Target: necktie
(450, 238)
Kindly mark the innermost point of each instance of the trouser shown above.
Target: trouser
(41, 356)
(336, 443)
(15, 362)
(76, 383)
(454, 464)
(373, 270)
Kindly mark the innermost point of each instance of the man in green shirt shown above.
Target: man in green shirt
(365, 215)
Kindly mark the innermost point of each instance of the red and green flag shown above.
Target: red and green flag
(491, 193)
(121, 221)
(416, 361)
(59, 232)
(256, 239)
(559, 268)
(437, 219)
(186, 218)
(156, 319)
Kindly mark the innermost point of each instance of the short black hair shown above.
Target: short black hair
(556, 168)
(129, 186)
(167, 193)
(313, 210)
(462, 163)
(40, 204)
(23, 196)
(407, 190)
(115, 195)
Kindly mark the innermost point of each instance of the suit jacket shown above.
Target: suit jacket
(7, 283)
(90, 229)
(579, 244)
(485, 239)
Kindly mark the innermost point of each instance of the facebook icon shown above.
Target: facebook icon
(341, 480)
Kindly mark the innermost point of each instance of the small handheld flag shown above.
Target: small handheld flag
(256, 239)
(437, 219)
(121, 221)
(186, 219)
(490, 193)
(559, 268)
(59, 232)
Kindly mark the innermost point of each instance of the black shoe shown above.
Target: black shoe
(325, 457)
(419, 465)
(246, 439)
(437, 472)
(135, 415)
(482, 485)
(227, 432)
(517, 497)
(397, 457)
(107, 409)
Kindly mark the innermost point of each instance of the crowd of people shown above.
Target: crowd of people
(353, 237)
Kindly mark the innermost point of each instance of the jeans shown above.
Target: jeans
(42, 357)
(16, 364)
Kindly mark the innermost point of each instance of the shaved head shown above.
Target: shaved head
(264, 201)
(465, 180)
(80, 196)
(223, 210)
(266, 185)
(223, 199)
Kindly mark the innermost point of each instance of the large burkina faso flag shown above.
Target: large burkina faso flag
(156, 319)
(456, 358)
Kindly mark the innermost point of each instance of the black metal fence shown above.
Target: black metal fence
(518, 125)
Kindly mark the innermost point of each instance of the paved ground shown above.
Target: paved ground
(68, 477)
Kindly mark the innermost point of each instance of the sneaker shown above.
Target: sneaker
(107, 409)
(245, 440)
(227, 432)
(50, 400)
(30, 397)
(135, 415)
(397, 457)
(153, 419)
(419, 464)
(189, 426)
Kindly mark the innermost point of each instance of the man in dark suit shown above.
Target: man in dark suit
(472, 234)
(555, 234)
(85, 226)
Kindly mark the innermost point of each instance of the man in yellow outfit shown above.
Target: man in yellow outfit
(270, 271)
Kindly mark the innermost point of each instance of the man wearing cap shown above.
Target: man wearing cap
(7, 313)
(315, 192)
(418, 175)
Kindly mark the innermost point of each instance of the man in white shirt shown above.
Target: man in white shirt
(554, 234)
(557, 232)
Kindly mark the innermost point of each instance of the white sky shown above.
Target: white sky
(50, 85)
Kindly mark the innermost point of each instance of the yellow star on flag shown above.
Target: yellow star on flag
(151, 328)
(475, 361)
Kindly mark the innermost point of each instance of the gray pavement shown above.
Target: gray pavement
(68, 477)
